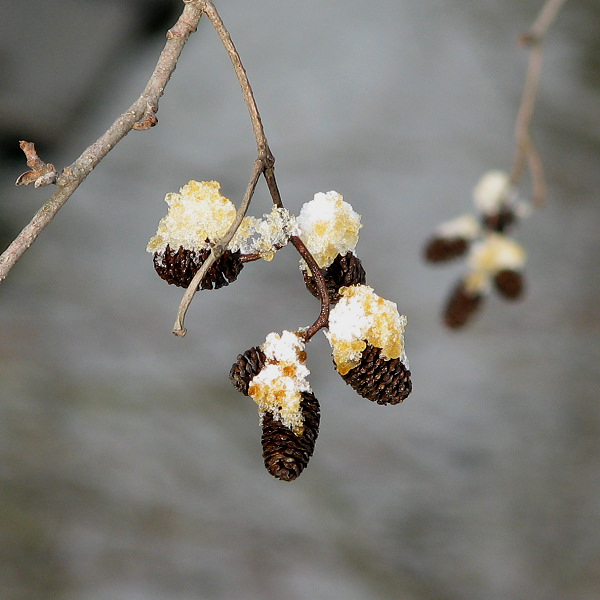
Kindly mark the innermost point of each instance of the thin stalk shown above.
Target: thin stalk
(323, 318)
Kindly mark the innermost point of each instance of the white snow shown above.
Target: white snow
(328, 226)
(492, 190)
(278, 386)
(362, 316)
(466, 227)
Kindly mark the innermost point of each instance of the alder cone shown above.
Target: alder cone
(246, 367)
(440, 249)
(460, 307)
(500, 221)
(285, 453)
(344, 271)
(178, 267)
(380, 380)
(509, 284)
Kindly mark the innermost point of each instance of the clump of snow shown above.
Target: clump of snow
(328, 227)
(466, 227)
(197, 213)
(265, 236)
(362, 316)
(492, 190)
(278, 386)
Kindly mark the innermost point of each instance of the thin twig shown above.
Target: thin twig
(525, 113)
(545, 18)
(539, 190)
(525, 152)
(323, 318)
(141, 110)
(257, 126)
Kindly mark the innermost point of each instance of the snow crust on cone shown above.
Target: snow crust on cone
(466, 227)
(199, 212)
(491, 191)
(362, 316)
(277, 388)
(328, 227)
(196, 213)
(264, 236)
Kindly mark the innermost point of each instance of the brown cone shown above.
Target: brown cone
(460, 307)
(285, 453)
(440, 249)
(500, 221)
(178, 267)
(379, 380)
(509, 284)
(246, 367)
(343, 271)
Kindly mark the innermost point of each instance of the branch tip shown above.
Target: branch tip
(179, 331)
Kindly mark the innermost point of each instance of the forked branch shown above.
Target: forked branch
(526, 154)
(140, 115)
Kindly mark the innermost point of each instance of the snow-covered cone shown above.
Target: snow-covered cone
(245, 368)
(366, 334)
(499, 259)
(344, 271)
(451, 239)
(461, 305)
(329, 228)
(492, 192)
(495, 199)
(197, 219)
(275, 375)
(509, 283)
(496, 260)
(286, 453)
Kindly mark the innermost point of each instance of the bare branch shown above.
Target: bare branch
(141, 112)
(257, 127)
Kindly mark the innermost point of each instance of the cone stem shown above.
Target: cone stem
(323, 318)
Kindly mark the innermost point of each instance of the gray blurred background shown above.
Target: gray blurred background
(130, 468)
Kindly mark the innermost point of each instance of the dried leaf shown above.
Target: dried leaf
(150, 121)
(41, 173)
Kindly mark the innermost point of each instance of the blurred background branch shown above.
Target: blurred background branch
(526, 153)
